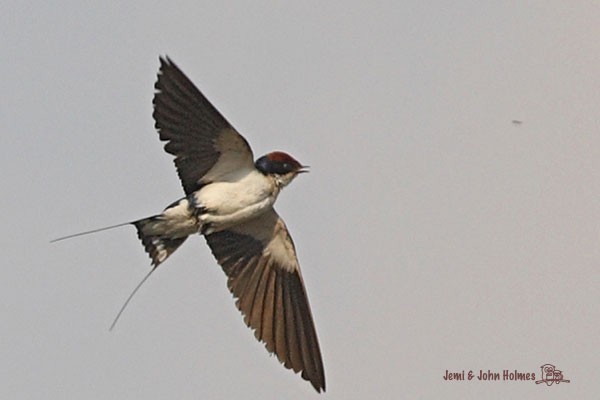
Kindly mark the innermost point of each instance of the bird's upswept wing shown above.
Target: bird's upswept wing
(263, 273)
(206, 147)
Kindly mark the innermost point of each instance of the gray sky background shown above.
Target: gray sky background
(433, 232)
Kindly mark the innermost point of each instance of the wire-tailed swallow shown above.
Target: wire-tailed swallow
(229, 199)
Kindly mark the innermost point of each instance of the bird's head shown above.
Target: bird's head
(280, 165)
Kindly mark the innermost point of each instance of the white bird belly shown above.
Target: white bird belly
(225, 204)
(177, 220)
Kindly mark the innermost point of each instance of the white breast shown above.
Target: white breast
(230, 203)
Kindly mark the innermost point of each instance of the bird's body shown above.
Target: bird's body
(229, 203)
(229, 199)
(233, 200)
(217, 206)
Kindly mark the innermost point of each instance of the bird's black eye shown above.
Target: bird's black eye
(282, 168)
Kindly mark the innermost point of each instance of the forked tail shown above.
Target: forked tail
(92, 231)
(158, 247)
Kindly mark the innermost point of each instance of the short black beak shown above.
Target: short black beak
(303, 169)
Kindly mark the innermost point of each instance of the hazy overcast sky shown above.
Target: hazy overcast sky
(433, 233)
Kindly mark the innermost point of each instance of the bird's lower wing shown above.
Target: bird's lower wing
(260, 262)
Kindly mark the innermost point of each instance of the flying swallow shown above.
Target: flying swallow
(229, 200)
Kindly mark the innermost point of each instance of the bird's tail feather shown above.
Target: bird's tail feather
(158, 247)
(92, 231)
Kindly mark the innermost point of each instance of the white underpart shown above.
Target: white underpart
(245, 195)
(174, 222)
(162, 252)
(229, 203)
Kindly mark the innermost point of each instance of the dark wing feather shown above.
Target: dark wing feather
(260, 262)
(196, 133)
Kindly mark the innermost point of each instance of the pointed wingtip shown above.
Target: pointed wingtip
(319, 385)
(166, 61)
